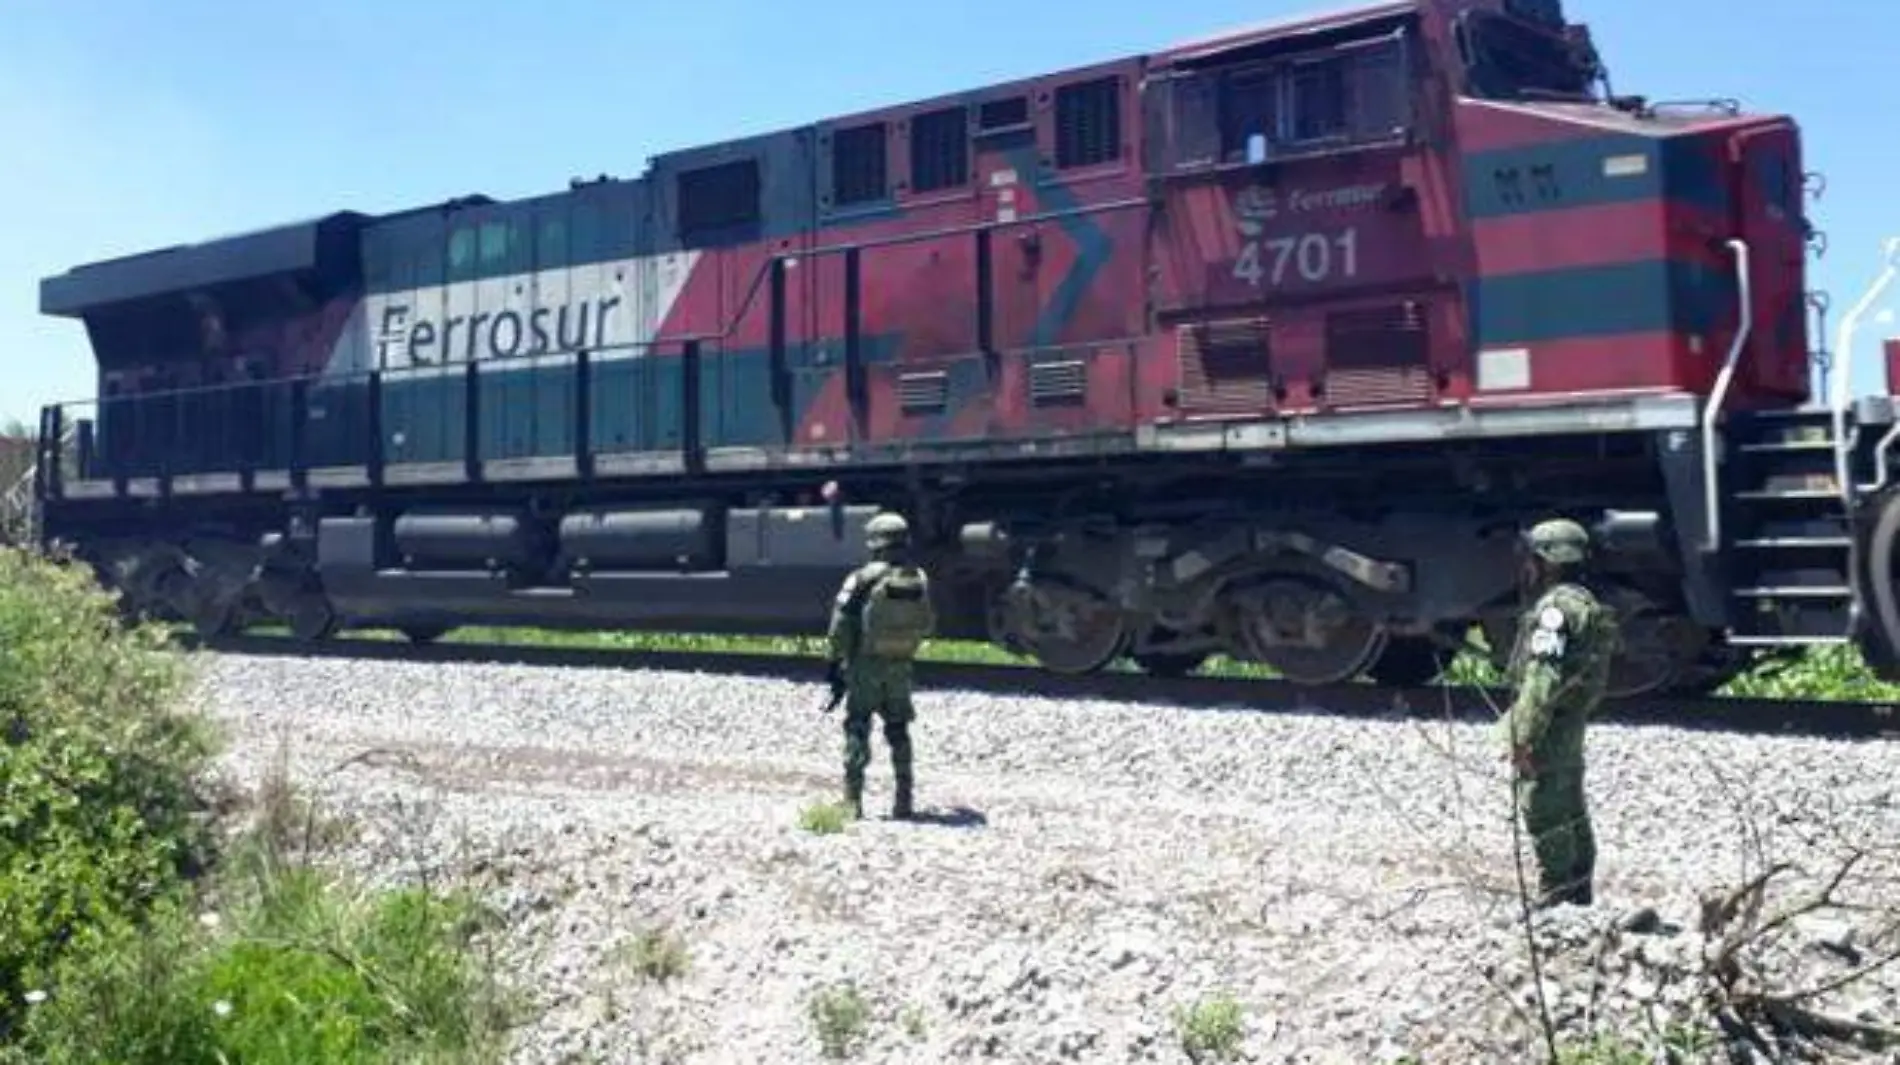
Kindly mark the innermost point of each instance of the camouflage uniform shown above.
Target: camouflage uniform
(875, 683)
(1559, 668)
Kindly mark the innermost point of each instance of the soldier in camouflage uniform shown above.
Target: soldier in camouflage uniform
(1559, 669)
(878, 622)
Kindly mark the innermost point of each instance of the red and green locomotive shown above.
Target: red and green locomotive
(1267, 344)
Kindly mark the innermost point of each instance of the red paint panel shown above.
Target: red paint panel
(1613, 364)
(1765, 168)
(1579, 236)
(1485, 126)
(1108, 373)
(1328, 228)
(926, 290)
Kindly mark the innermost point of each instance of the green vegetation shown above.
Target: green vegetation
(840, 1016)
(823, 818)
(1604, 1050)
(1212, 1029)
(143, 925)
(1818, 673)
(913, 1021)
(657, 956)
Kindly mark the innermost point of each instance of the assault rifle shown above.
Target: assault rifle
(834, 676)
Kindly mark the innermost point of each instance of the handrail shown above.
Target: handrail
(21, 498)
(1711, 505)
(1881, 451)
(1844, 350)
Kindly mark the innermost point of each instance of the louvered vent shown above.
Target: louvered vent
(1226, 367)
(923, 393)
(1053, 383)
(1378, 355)
(1088, 122)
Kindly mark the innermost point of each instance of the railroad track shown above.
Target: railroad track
(1838, 719)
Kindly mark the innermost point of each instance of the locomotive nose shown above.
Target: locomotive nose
(1605, 248)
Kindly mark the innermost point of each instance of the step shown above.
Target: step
(1787, 414)
(1736, 639)
(1794, 543)
(1804, 523)
(1796, 591)
(1785, 468)
(1784, 446)
(1787, 494)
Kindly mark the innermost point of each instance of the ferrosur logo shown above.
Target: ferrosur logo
(1255, 205)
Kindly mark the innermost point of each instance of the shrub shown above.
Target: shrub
(108, 857)
(839, 1016)
(100, 810)
(306, 974)
(1212, 1029)
(823, 818)
(657, 956)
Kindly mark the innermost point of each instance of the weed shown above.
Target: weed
(1819, 673)
(1603, 1050)
(657, 956)
(913, 1022)
(839, 1015)
(1211, 1029)
(110, 867)
(823, 818)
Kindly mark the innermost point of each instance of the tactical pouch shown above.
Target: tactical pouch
(897, 614)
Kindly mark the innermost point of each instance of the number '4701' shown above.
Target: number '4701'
(1314, 256)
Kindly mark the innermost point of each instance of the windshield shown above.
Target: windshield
(1507, 59)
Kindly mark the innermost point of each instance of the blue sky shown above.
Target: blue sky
(132, 124)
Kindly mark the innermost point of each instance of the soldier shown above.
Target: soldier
(878, 622)
(1558, 668)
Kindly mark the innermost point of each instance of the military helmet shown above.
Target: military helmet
(886, 530)
(1558, 540)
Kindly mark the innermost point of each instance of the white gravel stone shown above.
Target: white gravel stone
(1087, 868)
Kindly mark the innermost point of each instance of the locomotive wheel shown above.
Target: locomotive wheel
(212, 619)
(1719, 665)
(1307, 631)
(1067, 629)
(312, 620)
(1662, 650)
(1406, 662)
(1879, 642)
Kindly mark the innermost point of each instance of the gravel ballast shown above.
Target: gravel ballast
(1082, 872)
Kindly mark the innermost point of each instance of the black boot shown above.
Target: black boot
(900, 806)
(854, 798)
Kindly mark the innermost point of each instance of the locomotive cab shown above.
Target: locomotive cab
(1441, 203)
(1615, 242)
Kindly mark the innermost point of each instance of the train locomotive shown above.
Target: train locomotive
(1268, 344)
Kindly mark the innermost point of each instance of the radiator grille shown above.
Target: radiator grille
(1352, 388)
(923, 393)
(1390, 336)
(1378, 355)
(1226, 366)
(1052, 383)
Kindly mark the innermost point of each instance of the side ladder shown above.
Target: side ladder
(19, 498)
(19, 509)
(1797, 478)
